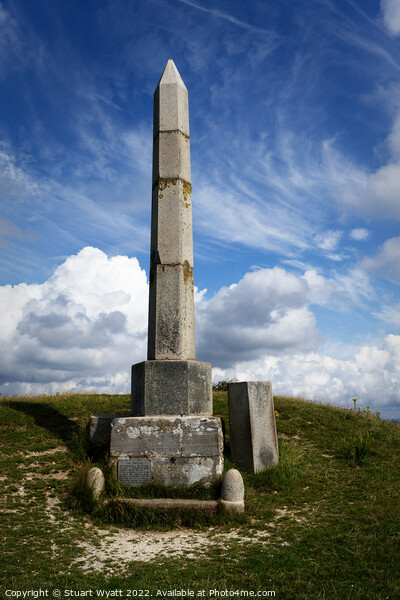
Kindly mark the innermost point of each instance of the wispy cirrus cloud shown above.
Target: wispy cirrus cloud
(9, 230)
(231, 217)
(15, 51)
(227, 17)
(273, 200)
(390, 314)
(60, 213)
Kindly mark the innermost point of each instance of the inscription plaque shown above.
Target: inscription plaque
(134, 472)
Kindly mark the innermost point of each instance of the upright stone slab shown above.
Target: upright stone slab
(253, 437)
(171, 381)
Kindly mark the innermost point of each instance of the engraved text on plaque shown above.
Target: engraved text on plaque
(134, 472)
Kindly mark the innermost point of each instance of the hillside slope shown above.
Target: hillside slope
(324, 523)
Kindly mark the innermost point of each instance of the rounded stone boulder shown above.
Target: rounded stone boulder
(232, 492)
(95, 482)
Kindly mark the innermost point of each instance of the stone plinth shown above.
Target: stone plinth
(254, 441)
(171, 387)
(173, 451)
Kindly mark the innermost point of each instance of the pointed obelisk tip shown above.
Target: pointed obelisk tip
(171, 74)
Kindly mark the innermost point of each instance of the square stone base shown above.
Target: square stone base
(172, 451)
(171, 387)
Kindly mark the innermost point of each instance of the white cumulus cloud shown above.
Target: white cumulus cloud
(387, 262)
(82, 328)
(375, 194)
(391, 15)
(265, 312)
(359, 234)
(383, 191)
(372, 376)
(86, 325)
(393, 139)
(328, 240)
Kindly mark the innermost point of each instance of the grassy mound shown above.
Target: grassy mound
(323, 523)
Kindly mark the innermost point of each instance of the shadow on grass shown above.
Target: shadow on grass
(73, 435)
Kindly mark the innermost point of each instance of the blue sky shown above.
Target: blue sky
(295, 149)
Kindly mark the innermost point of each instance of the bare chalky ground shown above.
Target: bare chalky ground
(78, 543)
(111, 550)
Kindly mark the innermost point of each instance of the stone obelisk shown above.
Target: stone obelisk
(171, 437)
(171, 302)
(171, 381)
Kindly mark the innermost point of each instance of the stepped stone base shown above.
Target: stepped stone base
(171, 387)
(100, 430)
(172, 451)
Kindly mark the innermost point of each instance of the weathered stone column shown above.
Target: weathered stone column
(171, 304)
(171, 381)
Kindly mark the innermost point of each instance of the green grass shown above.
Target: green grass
(323, 523)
